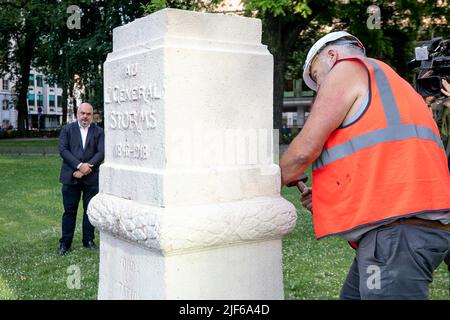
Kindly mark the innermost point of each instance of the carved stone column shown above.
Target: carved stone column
(189, 204)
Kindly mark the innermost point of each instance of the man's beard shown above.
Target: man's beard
(84, 124)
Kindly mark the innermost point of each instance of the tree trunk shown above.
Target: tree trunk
(272, 37)
(278, 90)
(281, 37)
(22, 108)
(64, 84)
(26, 56)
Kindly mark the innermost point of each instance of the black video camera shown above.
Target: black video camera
(433, 61)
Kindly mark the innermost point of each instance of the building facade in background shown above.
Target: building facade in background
(44, 101)
(297, 102)
(8, 98)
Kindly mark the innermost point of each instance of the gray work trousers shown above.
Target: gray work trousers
(396, 262)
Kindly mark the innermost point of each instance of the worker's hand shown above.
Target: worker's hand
(78, 174)
(305, 196)
(85, 168)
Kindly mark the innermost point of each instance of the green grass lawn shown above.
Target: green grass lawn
(30, 224)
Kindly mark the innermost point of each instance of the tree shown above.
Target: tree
(21, 29)
(403, 23)
(287, 24)
(83, 51)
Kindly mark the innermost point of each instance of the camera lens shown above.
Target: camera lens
(430, 86)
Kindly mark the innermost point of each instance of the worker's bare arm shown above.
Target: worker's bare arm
(343, 85)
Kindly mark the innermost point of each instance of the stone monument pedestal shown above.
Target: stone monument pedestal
(247, 271)
(189, 204)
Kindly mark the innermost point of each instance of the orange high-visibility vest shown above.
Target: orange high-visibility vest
(389, 163)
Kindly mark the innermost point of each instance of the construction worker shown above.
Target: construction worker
(380, 175)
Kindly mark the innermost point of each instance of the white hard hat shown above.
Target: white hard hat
(315, 49)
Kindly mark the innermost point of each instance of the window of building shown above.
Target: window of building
(51, 101)
(306, 91)
(289, 85)
(288, 88)
(59, 101)
(39, 81)
(40, 100)
(5, 84)
(31, 100)
(50, 80)
(5, 104)
(31, 80)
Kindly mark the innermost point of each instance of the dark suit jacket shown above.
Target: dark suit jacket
(71, 150)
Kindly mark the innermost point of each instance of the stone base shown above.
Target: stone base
(247, 271)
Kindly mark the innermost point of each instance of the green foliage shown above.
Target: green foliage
(67, 52)
(278, 7)
(402, 24)
(20, 32)
(303, 9)
(286, 138)
(154, 5)
(193, 5)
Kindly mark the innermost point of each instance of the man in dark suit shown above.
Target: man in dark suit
(81, 145)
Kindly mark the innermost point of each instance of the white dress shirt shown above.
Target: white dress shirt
(84, 132)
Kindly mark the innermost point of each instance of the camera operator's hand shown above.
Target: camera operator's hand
(446, 91)
(446, 88)
(426, 74)
(437, 102)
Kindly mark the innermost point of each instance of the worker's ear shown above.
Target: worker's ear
(332, 56)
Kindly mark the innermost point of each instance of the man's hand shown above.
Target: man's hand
(435, 103)
(85, 168)
(446, 88)
(78, 174)
(306, 196)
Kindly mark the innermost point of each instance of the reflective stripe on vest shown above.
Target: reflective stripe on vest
(395, 131)
(387, 97)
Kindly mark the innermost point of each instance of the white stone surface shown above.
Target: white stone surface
(248, 271)
(189, 192)
(180, 229)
